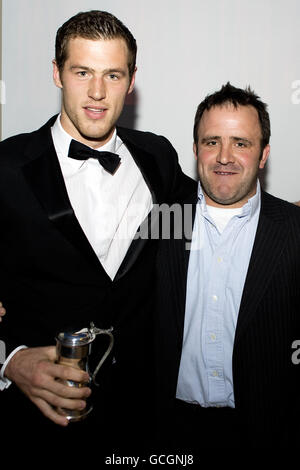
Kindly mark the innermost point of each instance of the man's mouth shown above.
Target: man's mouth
(94, 113)
(96, 110)
(225, 173)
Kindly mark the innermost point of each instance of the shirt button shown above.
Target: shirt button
(220, 259)
(213, 337)
(215, 298)
(215, 373)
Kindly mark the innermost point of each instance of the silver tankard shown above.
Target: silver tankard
(73, 350)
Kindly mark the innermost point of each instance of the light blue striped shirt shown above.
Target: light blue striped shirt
(217, 270)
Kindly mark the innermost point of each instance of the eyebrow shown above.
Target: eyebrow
(210, 137)
(80, 67)
(241, 139)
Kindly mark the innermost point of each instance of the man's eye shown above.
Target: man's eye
(211, 143)
(241, 144)
(82, 73)
(113, 76)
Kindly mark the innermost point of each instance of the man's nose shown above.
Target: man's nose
(225, 155)
(97, 90)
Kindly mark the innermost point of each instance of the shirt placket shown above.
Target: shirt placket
(213, 321)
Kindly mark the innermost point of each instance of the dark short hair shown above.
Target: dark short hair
(94, 25)
(229, 94)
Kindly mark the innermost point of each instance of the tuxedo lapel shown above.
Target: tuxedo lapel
(147, 165)
(43, 173)
(135, 248)
(269, 242)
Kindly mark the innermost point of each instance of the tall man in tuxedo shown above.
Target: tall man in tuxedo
(74, 195)
(228, 303)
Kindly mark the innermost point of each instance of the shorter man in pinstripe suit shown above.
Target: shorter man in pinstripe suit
(229, 306)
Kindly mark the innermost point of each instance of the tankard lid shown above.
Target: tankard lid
(75, 339)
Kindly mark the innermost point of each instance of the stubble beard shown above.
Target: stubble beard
(88, 131)
(243, 191)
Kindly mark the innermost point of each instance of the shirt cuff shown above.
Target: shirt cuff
(4, 381)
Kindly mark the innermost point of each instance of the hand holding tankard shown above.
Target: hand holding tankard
(73, 350)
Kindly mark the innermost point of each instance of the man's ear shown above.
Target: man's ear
(132, 82)
(195, 150)
(56, 74)
(265, 156)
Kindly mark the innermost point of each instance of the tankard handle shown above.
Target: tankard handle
(94, 331)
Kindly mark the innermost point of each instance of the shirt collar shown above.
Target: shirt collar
(249, 209)
(62, 142)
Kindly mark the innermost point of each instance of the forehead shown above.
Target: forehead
(230, 120)
(97, 50)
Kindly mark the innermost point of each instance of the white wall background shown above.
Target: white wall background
(186, 49)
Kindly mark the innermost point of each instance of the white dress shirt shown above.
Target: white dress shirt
(109, 208)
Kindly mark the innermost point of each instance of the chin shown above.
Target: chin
(223, 199)
(95, 134)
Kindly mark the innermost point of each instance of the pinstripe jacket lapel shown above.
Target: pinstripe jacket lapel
(269, 243)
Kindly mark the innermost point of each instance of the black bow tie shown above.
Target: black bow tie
(110, 161)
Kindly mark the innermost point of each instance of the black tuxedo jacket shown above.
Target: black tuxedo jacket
(50, 277)
(266, 382)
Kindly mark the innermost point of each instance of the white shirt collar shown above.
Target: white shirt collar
(62, 142)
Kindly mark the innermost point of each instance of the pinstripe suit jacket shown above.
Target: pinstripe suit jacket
(266, 382)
